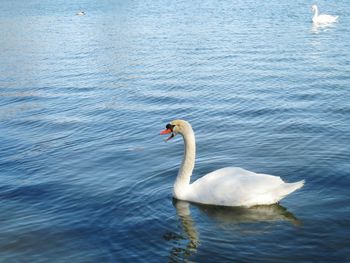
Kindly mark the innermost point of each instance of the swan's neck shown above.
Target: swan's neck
(183, 178)
(315, 12)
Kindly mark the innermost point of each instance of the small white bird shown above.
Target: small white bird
(322, 19)
(80, 13)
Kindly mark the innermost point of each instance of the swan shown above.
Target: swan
(80, 13)
(229, 186)
(322, 19)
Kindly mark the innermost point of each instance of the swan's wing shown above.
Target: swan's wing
(326, 18)
(233, 186)
(240, 176)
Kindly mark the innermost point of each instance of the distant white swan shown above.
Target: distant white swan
(230, 186)
(80, 13)
(322, 19)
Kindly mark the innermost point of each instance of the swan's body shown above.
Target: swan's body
(322, 19)
(230, 186)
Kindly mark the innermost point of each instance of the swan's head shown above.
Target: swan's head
(314, 8)
(175, 127)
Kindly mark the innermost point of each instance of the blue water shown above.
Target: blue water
(84, 174)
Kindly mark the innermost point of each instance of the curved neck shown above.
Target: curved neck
(315, 12)
(184, 175)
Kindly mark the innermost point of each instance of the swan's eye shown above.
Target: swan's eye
(169, 129)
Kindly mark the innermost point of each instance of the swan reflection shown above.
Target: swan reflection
(318, 28)
(262, 213)
(187, 245)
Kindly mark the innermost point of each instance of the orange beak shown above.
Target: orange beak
(167, 131)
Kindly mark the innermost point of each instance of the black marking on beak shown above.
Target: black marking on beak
(170, 126)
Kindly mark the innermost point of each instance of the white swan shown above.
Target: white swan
(322, 19)
(230, 186)
(80, 13)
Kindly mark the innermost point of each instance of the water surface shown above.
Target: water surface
(84, 175)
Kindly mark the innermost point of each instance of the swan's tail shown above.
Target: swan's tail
(291, 187)
(276, 194)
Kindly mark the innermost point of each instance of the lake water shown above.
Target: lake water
(85, 175)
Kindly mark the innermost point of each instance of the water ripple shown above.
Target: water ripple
(85, 176)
